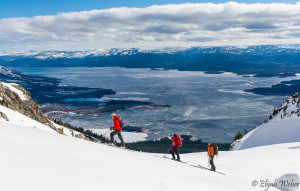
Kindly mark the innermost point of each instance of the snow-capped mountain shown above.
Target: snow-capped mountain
(249, 50)
(88, 53)
(241, 60)
(282, 127)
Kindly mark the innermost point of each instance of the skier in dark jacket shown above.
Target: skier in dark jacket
(210, 153)
(116, 129)
(176, 142)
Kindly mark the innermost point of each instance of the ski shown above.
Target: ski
(185, 162)
(164, 157)
(209, 169)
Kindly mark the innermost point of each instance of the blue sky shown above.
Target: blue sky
(62, 24)
(29, 8)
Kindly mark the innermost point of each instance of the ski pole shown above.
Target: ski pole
(208, 161)
(167, 152)
(106, 132)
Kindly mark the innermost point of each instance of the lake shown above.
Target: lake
(208, 106)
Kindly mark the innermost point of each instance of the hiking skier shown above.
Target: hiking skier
(117, 128)
(176, 142)
(211, 154)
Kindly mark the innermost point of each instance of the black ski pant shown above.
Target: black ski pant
(118, 132)
(211, 162)
(175, 151)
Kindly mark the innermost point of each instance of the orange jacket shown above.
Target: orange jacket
(210, 150)
(117, 123)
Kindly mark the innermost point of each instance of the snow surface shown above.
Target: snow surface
(16, 118)
(281, 129)
(129, 137)
(37, 160)
(13, 89)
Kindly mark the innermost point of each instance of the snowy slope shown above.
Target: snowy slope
(283, 128)
(16, 118)
(36, 160)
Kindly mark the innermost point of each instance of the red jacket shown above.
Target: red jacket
(116, 123)
(176, 141)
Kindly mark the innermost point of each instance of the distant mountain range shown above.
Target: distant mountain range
(261, 61)
(88, 53)
(251, 50)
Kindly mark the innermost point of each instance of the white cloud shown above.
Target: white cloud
(157, 26)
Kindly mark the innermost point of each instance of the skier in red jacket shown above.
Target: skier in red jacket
(176, 142)
(116, 129)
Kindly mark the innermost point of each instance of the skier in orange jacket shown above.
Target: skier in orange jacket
(210, 153)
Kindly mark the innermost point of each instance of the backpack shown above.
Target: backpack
(121, 122)
(216, 149)
(179, 142)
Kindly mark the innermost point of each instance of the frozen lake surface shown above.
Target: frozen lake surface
(208, 106)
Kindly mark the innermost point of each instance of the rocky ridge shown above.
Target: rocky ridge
(15, 97)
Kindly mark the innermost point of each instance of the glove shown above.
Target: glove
(112, 128)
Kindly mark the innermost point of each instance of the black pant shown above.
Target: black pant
(211, 161)
(118, 132)
(175, 151)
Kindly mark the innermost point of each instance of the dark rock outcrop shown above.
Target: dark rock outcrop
(4, 116)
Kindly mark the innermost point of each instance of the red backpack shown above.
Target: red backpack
(178, 141)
